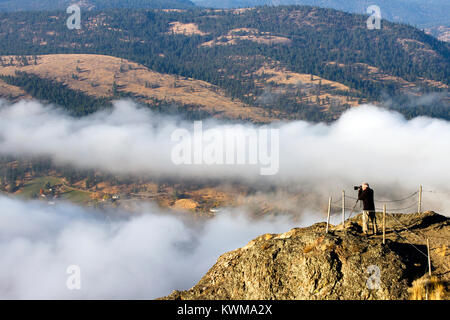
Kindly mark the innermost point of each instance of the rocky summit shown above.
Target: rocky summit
(307, 263)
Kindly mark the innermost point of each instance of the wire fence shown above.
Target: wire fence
(438, 192)
(339, 207)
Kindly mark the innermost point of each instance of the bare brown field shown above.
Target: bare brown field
(11, 92)
(249, 34)
(185, 204)
(187, 29)
(96, 75)
(276, 75)
(375, 74)
(283, 76)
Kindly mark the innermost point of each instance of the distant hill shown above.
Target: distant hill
(296, 62)
(421, 13)
(97, 75)
(37, 5)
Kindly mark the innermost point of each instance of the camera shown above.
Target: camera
(357, 187)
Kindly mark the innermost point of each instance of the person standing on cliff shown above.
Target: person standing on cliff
(366, 195)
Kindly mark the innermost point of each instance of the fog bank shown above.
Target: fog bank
(366, 143)
(142, 256)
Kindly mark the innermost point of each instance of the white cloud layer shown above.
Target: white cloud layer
(366, 143)
(143, 256)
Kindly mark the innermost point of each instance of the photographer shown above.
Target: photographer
(366, 195)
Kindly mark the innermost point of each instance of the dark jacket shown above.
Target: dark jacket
(366, 197)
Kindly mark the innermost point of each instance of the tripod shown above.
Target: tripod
(353, 210)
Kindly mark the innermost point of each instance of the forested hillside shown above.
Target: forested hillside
(303, 61)
(37, 5)
(85, 83)
(421, 13)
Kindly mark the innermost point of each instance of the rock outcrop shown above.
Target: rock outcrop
(306, 263)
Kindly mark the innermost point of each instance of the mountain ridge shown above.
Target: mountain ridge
(422, 13)
(50, 5)
(114, 77)
(303, 62)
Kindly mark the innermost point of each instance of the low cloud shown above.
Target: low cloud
(366, 143)
(141, 256)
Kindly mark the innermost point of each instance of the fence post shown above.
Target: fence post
(343, 209)
(329, 210)
(419, 209)
(429, 258)
(384, 224)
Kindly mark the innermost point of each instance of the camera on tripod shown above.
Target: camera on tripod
(357, 188)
